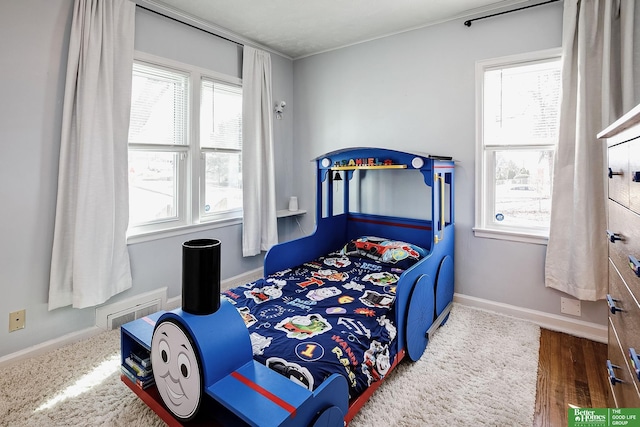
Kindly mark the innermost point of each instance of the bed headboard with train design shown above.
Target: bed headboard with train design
(340, 176)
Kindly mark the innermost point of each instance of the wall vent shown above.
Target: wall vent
(117, 314)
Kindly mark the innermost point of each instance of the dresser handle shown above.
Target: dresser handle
(611, 302)
(612, 173)
(635, 176)
(614, 236)
(612, 375)
(634, 264)
(635, 361)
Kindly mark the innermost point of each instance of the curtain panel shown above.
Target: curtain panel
(90, 260)
(260, 228)
(597, 88)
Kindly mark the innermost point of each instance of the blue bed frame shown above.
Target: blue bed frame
(244, 392)
(434, 272)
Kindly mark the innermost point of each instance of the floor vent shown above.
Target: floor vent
(115, 315)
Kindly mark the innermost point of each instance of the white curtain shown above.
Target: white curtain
(597, 88)
(90, 261)
(260, 228)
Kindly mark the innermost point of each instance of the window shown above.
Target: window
(518, 108)
(221, 145)
(185, 146)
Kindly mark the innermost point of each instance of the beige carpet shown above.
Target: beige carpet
(480, 369)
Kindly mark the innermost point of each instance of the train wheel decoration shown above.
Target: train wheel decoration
(420, 316)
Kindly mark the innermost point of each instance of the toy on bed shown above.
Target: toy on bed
(309, 343)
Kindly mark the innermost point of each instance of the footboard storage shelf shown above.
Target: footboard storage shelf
(623, 366)
(135, 344)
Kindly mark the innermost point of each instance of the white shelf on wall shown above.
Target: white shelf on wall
(286, 212)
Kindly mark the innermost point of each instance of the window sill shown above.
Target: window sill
(538, 239)
(181, 230)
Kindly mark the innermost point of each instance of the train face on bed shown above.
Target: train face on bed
(176, 369)
(191, 352)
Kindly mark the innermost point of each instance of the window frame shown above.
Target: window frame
(484, 161)
(190, 214)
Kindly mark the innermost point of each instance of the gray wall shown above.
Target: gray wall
(33, 50)
(34, 41)
(416, 91)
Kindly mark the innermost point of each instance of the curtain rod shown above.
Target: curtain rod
(468, 22)
(190, 25)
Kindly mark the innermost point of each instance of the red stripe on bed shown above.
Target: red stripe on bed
(266, 393)
(358, 403)
(149, 321)
(394, 224)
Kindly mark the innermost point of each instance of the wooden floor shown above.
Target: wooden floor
(571, 372)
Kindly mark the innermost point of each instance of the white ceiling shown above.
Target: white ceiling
(299, 28)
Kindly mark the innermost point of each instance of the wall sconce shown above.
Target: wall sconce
(279, 109)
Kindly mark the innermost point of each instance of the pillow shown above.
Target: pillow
(393, 252)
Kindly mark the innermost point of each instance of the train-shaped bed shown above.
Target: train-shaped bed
(336, 311)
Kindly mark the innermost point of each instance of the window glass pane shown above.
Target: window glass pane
(523, 188)
(152, 186)
(223, 178)
(220, 116)
(521, 104)
(159, 100)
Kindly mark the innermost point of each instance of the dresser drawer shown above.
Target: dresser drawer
(634, 167)
(626, 319)
(625, 224)
(619, 176)
(625, 393)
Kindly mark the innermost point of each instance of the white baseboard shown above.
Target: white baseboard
(48, 346)
(579, 328)
(241, 279)
(173, 303)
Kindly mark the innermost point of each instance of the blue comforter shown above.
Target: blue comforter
(331, 315)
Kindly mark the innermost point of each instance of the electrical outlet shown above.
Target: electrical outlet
(570, 306)
(17, 320)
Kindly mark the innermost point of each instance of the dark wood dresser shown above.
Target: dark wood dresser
(623, 366)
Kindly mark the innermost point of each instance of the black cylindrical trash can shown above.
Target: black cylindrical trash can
(201, 276)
